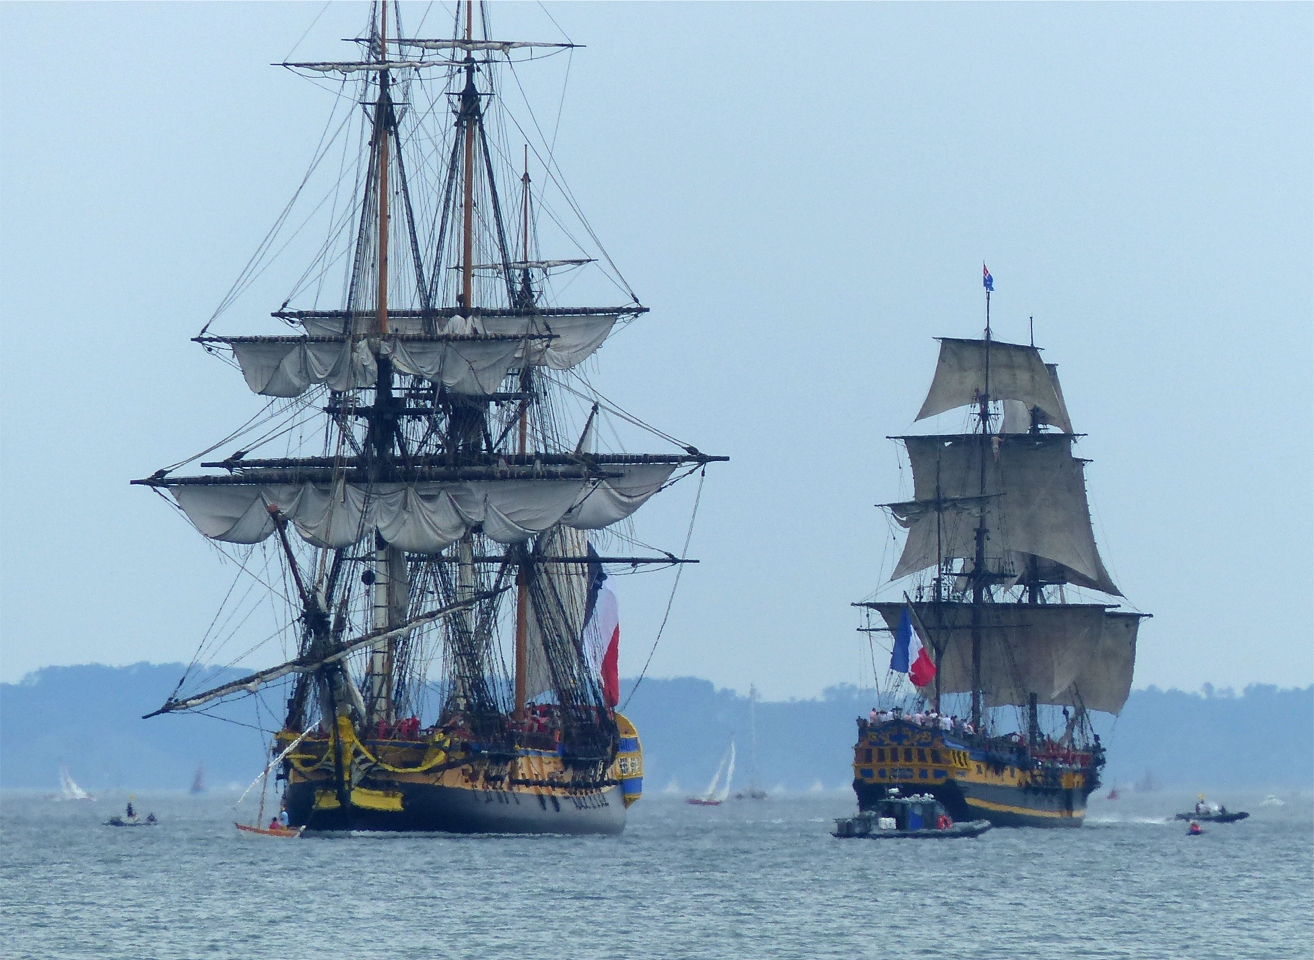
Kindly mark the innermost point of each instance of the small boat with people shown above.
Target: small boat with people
(918, 816)
(275, 829)
(131, 819)
(1209, 812)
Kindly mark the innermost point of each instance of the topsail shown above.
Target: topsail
(971, 369)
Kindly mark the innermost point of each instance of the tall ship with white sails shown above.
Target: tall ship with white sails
(996, 718)
(423, 494)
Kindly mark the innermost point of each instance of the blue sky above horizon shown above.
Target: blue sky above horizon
(803, 194)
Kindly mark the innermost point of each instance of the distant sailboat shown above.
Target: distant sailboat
(198, 782)
(754, 792)
(69, 790)
(718, 791)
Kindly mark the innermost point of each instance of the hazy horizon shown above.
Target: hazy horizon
(803, 194)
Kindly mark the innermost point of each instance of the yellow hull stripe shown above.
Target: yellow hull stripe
(1023, 811)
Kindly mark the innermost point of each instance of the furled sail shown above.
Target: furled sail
(969, 369)
(574, 338)
(346, 67)
(289, 366)
(617, 497)
(498, 46)
(1025, 649)
(556, 339)
(419, 517)
(1034, 499)
(466, 355)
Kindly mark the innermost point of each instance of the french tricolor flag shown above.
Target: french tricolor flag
(602, 630)
(909, 655)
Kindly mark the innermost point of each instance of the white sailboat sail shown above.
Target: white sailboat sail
(724, 792)
(68, 787)
(715, 793)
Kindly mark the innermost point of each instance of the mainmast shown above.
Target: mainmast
(390, 580)
(978, 561)
(522, 574)
(469, 116)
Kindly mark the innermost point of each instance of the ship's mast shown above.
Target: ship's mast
(467, 204)
(979, 572)
(522, 581)
(387, 565)
(468, 117)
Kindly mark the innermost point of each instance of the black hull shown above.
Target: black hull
(1003, 806)
(429, 808)
(1213, 817)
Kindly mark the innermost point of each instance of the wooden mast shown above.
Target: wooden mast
(381, 137)
(524, 237)
(381, 666)
(979, 571)
(467, 236)
(522, 585)
(465, 546)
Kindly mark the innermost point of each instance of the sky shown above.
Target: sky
(803, 195)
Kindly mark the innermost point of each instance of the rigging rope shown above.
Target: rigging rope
(684, 554)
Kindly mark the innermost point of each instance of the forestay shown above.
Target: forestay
(970, 369)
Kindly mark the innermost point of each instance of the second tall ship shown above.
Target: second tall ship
(998, 724)
(423, 495)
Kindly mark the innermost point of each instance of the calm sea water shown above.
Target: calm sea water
(749, 879)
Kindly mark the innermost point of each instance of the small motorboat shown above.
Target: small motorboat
(919, 816)
(271, 830)
(1222, 816)
(133, 821)
(130, 818)
(1211, 813)
(1194, 830)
